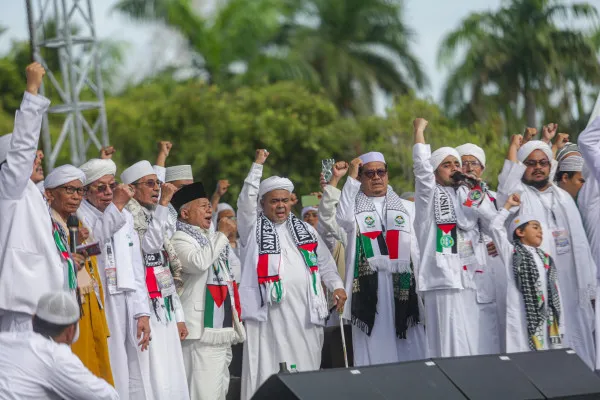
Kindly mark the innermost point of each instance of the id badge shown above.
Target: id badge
(111, 280)
(465, 249)
(561, 241)
(153, 260)
(165, 281)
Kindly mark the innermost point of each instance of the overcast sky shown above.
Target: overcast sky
(151, 45)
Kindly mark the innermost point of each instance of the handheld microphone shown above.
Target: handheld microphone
(460, 177)
(73, 225)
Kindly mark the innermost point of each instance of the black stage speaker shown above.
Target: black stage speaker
(558, 374)
(490, 377)
(410, 380)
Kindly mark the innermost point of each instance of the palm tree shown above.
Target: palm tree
(518, 56)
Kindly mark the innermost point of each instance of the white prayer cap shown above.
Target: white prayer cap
(59, 308)
(224, 207)
(440, 155)
(568, 148)
(470, 149)
(520, 220)
(63, 174)
(274, 183)
(373, 156)
(307, 209)
(96, 168)
(531, 146)
(571, 164)
(178, 173)
(4, 146)
(138, 170)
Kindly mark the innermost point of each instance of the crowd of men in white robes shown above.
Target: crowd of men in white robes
(453, 269)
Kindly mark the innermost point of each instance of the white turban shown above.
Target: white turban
(440, 155)
(274, 183)
(470, 149)
(178, 173)
(224, 207)
(59, 308)
(518, 221)
(373, 156)
(531, 146)
(571, 164)
(137, 171)
(4, 146)
(96, 168)
(307, 209)
(63, 174)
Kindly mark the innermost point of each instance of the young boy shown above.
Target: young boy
(534, 314)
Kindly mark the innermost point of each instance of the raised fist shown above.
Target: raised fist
(549, 131)
(517, 140)
(528, 135)
(560, 140)
(420, 124)
(514, 200)
(106, 153)
(35, 72)
(340, 169)
(261, 156)
(167, 190)
(164, 147)
(227, 226)
(354, 166)
(121, 195)
(82, 235)
(222, 187)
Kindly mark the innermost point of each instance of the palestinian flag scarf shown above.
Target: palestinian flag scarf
(61, 241)
(385, 250)
(540, 313)
(269, 260)
(446, 240)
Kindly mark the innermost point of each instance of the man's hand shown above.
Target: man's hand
(222, 187)
(121, 196)
(419, 125)
(143, 332)
(226, 226)
(79, 260)
(293, 199)
(514, 200)
(528, 135)
(516, 141)
(340, 299)
(261, 156)
(164, 148)
(183, 332)
(560, 140)
(323, 182)
(167, 191)
(548, 132)
(106, 153)
(35, 72)
(354, 166)
(82, 235)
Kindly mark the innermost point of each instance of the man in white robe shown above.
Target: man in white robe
(121, 271)
(40, 364)
(448, 271)
(385, 309)
(588, 201)
(490, 303)
(283, 304)
(165, 371)
(209, 296)
(30, 263)
(526, 171)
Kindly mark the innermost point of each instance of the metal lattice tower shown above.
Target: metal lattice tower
(79, 72)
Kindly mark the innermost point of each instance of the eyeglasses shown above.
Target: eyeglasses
(103, 188)
(72, 189)
(311, 215)
(372, 172)
(471, 164)
(533, 163)
(151, 183)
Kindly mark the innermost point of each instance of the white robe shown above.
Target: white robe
(451, 309)
(382, 346)
(287, 334)
(30, 264)
(556, 211)
(34, 367)
(588, 201)
(122, 309)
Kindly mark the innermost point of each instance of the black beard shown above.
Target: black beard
(536, 184)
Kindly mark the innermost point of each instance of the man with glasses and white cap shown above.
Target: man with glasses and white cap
(40, 364)
(526, 171)
(285, 263)
(165, 372)
(121, 271)
(381, 254)
(448, 263)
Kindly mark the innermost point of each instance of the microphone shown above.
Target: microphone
(73, 225)
(460, 177)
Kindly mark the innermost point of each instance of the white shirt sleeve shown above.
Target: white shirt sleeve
(247, 204)
(589, 145)
(140, 296)
(154, 238)
(424, 190)
(16, 171)
(328, 267)
(196, 259)
(328, 226)
(106, 226)
(70, 379)
(345, 209)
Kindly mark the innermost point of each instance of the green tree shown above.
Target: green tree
(518, 57)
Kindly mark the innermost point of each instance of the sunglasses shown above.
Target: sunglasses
(372, 172)
(104, 188)
(533, 163)
(151, 183)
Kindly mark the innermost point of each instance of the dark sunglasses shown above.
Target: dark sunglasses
(151, 183)
(103, 188)
(372, 172)
(533, 163)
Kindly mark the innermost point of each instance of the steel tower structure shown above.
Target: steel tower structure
(79, 73)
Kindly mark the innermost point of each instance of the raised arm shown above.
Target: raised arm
(589, 146)
(16, 171)
(509, 180)
(247, 203)
(345, 209)
(498, 228)
(423, 170)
